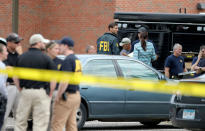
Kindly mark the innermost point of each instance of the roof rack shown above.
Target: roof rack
(160, 17)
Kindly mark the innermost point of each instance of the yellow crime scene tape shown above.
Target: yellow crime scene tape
(191, 89)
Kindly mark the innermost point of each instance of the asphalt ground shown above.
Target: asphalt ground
(115, 126)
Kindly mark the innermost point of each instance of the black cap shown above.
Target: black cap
(142, 29)
(13, 37)
(67, 41)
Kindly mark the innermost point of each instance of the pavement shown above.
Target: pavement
(114, 126)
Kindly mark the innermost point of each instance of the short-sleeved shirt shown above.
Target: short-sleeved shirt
(194, 60)
(71, 64)
(144, 56)
(124, 51)
(175, 64)
(3, 78)
(35, 58)
(58, 63)
(202, 62)
(137, 41)
(11, 61)
(108, 44)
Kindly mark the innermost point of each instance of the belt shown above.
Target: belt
(34, 87)
(71, 91)
(10, 83)
(47, 89)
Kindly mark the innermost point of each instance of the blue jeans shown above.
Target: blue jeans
(3, 102)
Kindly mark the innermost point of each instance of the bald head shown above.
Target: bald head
(177, 49)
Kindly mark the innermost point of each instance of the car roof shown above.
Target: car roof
(84, 58)
(99, 56)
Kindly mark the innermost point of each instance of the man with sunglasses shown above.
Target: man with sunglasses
(14, 50)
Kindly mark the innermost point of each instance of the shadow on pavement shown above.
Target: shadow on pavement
(137, 127)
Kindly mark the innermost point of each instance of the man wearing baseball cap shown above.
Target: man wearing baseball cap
(68, 98)
(14, 50)
(125, 43)
(35, 96)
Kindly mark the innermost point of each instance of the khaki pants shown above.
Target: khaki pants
(12, 102)
(64, 113)
(34, 101)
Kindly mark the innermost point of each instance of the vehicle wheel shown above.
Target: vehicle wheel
(150, 123)
(81, 116)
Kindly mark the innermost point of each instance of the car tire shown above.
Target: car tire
(150, 123)
(81, 116)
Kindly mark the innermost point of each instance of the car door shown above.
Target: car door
(104, 102)
(140, 103)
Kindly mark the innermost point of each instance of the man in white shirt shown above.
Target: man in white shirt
(3, 79)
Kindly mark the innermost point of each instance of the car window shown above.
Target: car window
(100, 68)
(133, 69)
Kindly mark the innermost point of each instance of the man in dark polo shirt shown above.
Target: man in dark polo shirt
(174, 63)
(33, 96)
(14, 49)
(68, 98)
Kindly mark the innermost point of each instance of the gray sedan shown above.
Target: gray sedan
(109, 104)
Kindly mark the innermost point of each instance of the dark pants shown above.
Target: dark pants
(3, 102)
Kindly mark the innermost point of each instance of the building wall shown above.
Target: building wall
(30, 19)
(160, 6)
(83, 20)
(5, 17)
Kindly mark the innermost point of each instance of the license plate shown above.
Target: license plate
(188, 114)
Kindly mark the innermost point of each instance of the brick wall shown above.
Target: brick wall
(83, 20)
(5, 17)
(160, 6)
(30, 19)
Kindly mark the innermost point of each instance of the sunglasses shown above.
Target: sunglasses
(16, 42)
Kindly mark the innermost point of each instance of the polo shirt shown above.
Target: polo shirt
(57, 62)
(201, 62)
(71, 64)
(11, 61)
(35, 58)
(176, 65)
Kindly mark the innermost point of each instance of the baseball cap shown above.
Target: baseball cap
(3, 41)
(46, 41)
(13, 37)
(142, 29)
(67, 41)
(35, 38)
(125, 41)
